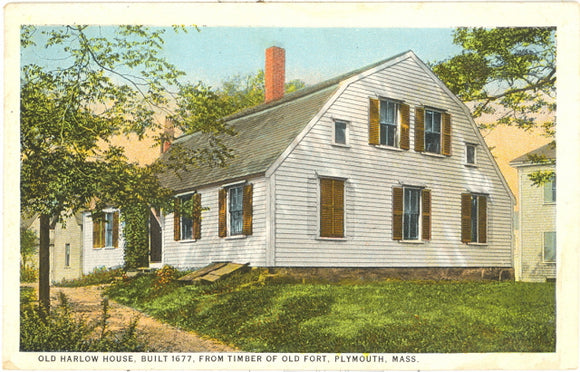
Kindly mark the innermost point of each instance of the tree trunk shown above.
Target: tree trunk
(44, 264)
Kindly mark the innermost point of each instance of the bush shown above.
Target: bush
(100, 275)
(28, 273)
(60, 330)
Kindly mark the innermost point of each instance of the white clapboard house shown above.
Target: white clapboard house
(382, 167)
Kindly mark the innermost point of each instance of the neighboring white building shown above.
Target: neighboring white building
(103, 243)
(535, 256)
(381, 167)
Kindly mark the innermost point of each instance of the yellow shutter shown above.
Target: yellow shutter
(405, 126)
(176, 219)
(466, 218)
(247, 213)
(397, 213)
(426, 213)
(331, 208)
(222, 221)
(419, 129)
(446, 129)
(196, 216)
(374, 127)
(98, 242)
(482, 219)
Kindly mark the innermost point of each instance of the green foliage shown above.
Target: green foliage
(507, 69)
(61, 331)
(280, 315)
(99, 275)
(135, 233)
(28, 248)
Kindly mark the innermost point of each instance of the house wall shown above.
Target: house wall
(69, 233)
(211, 248)
(107, 257)
(536, 217)
(371, 174)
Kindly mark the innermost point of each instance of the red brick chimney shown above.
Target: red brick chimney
(275, 73)
(167, 136)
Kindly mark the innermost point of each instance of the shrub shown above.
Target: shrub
(100, 275)
(60, 330)
(28, 273)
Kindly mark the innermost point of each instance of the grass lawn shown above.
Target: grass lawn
(381, 317)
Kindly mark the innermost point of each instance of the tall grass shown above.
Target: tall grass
(392, 316)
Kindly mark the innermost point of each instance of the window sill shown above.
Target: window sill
(187, 241)
(470, 165)
(549, 263)
(390, 148)
(344, 146)
(323, 238)
(550, 203)
(105, 248)
(433, 154)
(235, 237)
(477, 244)
(412, 241)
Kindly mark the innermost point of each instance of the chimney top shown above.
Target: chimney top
(274, 74)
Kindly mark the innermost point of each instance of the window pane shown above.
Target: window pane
(108, 229)
(474, 222)
(550, 247)
(236, 207)
(550, 191)
(186, 217)
(433, 131)
(340, 132)
(470, 154)
(411, 214)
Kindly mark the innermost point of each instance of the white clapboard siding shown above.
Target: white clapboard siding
(371, 174)
(536, 218)
(212, 248)
(100, 257)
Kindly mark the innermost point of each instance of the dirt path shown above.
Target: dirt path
(160, 337)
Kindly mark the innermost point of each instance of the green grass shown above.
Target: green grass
(389, 317)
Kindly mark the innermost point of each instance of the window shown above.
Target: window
(235, 210)
(187, 217)
(340, 133)
(106, 230)
(470, 151)
(411, 213)
(331, 208)
(389, 123)
(67, 255)
(432, 131)
(550, 191)
(473, 218)
(549, 247)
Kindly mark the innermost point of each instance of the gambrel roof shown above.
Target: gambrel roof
(263, 133)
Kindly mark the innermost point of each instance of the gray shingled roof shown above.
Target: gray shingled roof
(547, 151)
(262, 134)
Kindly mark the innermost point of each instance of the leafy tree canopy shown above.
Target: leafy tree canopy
(506, 71)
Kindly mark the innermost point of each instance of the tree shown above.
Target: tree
(101, 82)
(510, 72)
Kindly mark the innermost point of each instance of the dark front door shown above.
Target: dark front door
(154, 238)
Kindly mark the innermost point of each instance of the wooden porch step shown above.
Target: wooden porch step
(213, 272)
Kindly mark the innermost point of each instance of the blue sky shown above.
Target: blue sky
(215, 54)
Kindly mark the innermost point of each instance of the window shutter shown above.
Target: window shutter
(465, 218)
(419, 129)
(247, 213)
(374, 127)
(446, 148)
(116, 229)
(426, 211)
(176, 219)
(97, 233)
(222, 223)
(482, 219)
(405, 126)
(397, 213)
(196, 216)
(331, 208)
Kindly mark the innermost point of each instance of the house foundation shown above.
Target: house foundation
(339, 274)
